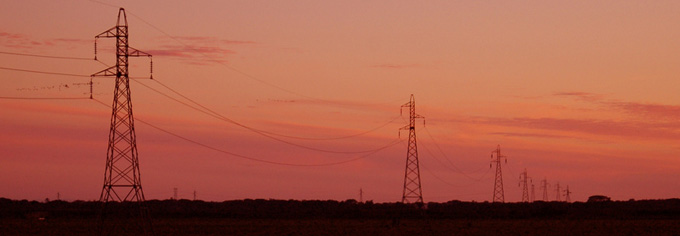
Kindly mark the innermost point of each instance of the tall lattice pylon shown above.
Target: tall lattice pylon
(498, 193)
(413, 192)
(524, 183)
(122, 181)
(567, 194)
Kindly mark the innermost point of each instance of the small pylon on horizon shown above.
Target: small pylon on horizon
(413, 192)
(498, 192)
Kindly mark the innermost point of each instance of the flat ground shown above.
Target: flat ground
(208, 226)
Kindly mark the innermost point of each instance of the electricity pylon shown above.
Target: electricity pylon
(524, 182)
(413, 192)
(498, 193)
(567, 194)
(533, 192)
(361, 195)
(559, 193)
(544, 187)
(122, 181)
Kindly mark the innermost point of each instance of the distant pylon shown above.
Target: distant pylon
(559, 193)
(533, 192)
(122, 181)
(498, 193)
(524, 182)
(544, 187)
(413, 192)
(567, 194)
(361, 195)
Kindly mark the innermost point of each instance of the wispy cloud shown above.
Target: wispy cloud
(627, 129)
(198, 50)
(646, 110)
(584, 96)
(17, 41)
(528, 135)
(212, 40)
(346, 104)
(21, 41)
(73, 41)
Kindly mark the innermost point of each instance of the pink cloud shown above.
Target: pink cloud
(212, 40)
(584, 96)
(198, 50)
(628, 129)
(355, 105)
(648, 110)
(20, 41)
(73, 41)
(529, 135)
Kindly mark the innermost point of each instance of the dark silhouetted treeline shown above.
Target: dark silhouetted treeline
(350, 209)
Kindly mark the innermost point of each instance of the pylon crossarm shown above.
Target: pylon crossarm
(111, 33)
(111, 71)
(136, 53)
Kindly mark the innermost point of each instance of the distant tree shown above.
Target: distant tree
(599, 198)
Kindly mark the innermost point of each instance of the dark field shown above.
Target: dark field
(357, 227)
(275, 217)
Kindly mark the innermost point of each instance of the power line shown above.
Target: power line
(455, 168)
(45, 56)
(277, 134)
(252, 158)
(254, 130)
(218, 116)
(43, 72)
(185, 97)
(45, 98)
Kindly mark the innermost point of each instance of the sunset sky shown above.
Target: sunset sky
(583, 93)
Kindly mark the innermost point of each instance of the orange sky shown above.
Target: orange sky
(581, 93)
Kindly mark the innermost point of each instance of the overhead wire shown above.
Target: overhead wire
(44, 98)
(436, 176)
(43, 72)
(470, 177)
(277, 134)
(52, 57)
(455, 168)
(216, 115)
(257, 131)
(45, 56)
(252, 158)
